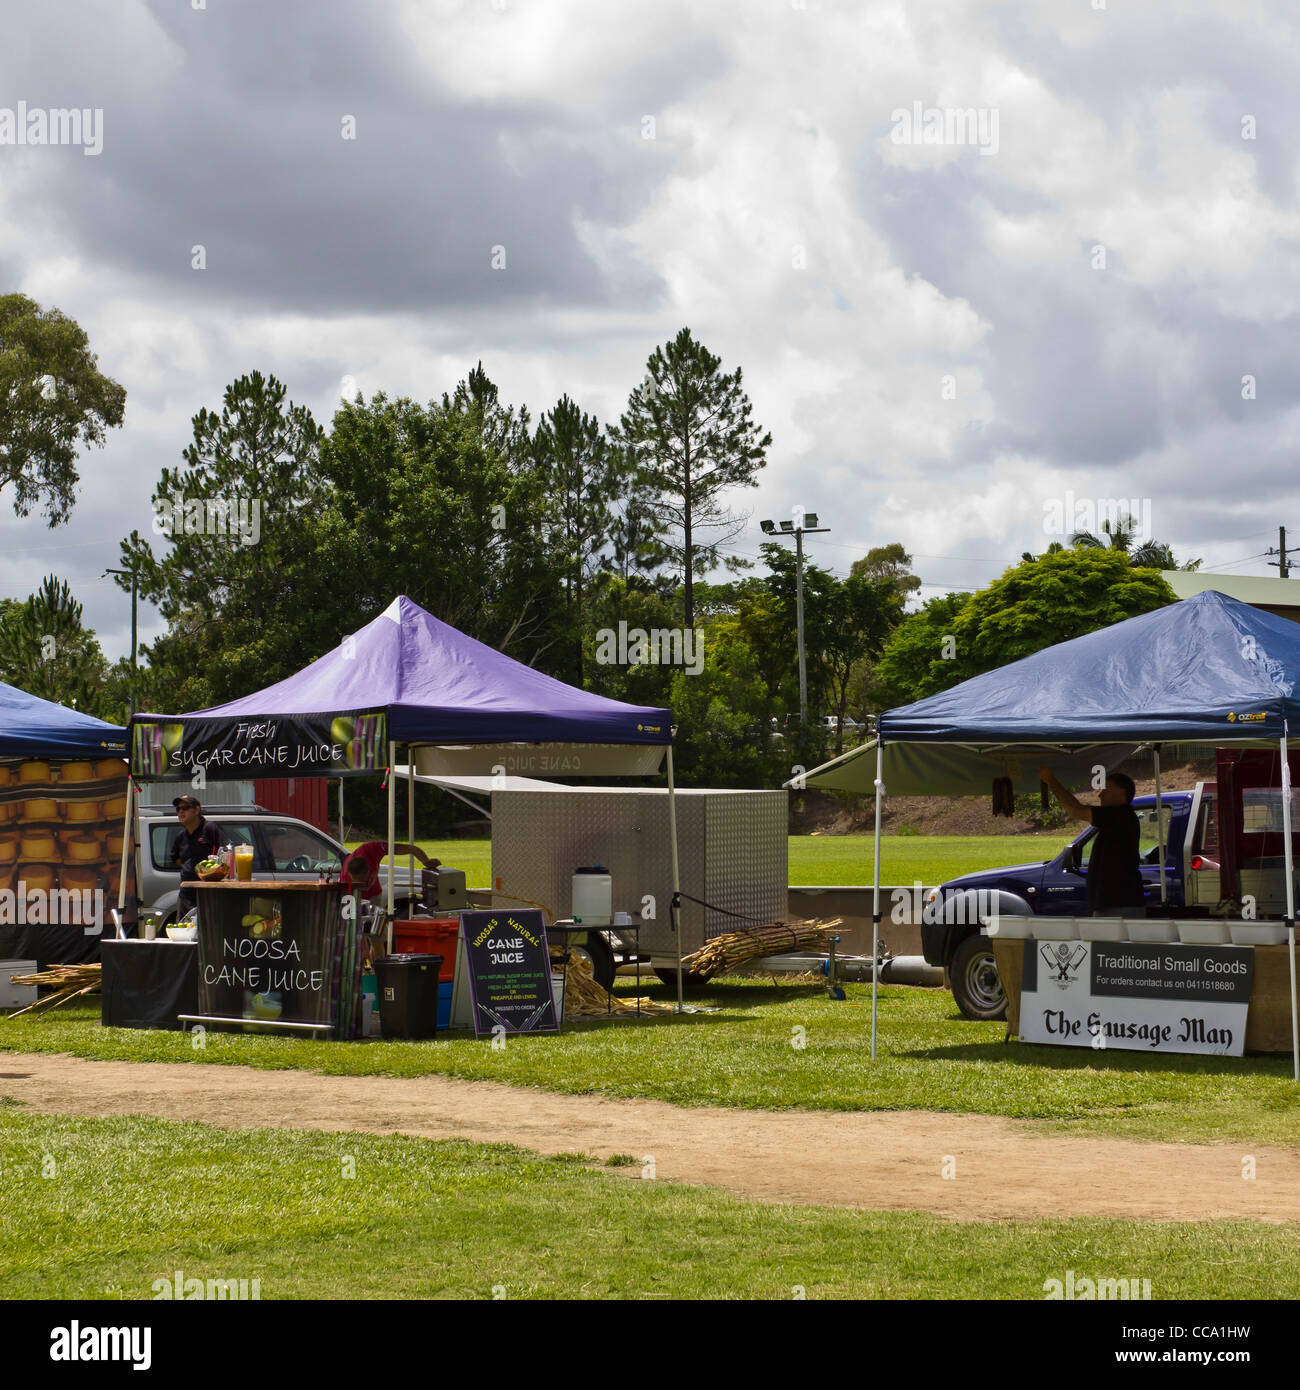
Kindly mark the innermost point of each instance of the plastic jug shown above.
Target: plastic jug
(593, 896)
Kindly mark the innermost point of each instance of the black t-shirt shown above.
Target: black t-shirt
(191, 850)
(1114, 879)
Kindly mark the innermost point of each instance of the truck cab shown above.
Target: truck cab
(283, 848)
(951, 931)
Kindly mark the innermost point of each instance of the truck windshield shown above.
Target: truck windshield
(1149, 843)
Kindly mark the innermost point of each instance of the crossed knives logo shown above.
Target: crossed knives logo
(1063, 959)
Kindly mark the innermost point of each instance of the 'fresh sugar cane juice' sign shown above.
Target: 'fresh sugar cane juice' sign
(1136, 995)
(509, 972)
(281, 746)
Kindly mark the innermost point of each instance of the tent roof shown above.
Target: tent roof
(437, 685)
(1187, 672)
(1205, 671)
(483, 785)
(32, 727)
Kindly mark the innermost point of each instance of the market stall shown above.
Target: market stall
(1207, 671)
(404, 681)
(63, 787)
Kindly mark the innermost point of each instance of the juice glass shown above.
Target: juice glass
(244, 862)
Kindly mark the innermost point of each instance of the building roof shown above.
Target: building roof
(1273, 595)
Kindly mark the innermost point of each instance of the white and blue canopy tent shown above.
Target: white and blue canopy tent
(1202, 673)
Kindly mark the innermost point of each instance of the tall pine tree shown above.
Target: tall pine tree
(689, 432)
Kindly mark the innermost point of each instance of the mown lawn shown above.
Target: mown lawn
(742, 1055)
(838, 860)
(847, 860)
(108, 1208)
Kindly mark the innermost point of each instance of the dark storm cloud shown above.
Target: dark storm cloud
(234, 142)
(1088, 367)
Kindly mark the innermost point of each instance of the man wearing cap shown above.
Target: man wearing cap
(199, 840)
(1114, 877)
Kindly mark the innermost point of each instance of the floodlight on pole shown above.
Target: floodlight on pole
(807, 526)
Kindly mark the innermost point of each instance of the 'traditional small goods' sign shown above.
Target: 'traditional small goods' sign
(509, 972)
(1136, 995)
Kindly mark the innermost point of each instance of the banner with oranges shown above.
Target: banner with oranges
(60, 855)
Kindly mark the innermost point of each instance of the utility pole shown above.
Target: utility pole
(789, 528)
(135, 595)
(1282, 563)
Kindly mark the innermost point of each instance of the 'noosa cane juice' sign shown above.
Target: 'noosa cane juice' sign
(509, 972)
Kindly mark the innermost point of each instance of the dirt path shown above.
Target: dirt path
(1004, 1169)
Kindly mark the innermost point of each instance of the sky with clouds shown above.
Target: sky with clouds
(946, 326)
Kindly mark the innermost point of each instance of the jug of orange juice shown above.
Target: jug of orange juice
(243, 862)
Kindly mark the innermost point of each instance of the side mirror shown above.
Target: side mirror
(1073, 856)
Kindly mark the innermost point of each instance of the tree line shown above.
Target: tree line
(274, 536)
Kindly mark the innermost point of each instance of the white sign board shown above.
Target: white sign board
(1136, 996)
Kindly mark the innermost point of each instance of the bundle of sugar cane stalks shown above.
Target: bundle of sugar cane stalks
(736, 948)
(70, 981)
(584, 998)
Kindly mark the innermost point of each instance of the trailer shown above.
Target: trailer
(733, 852)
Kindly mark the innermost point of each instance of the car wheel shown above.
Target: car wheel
(973, 973)
(595, 951)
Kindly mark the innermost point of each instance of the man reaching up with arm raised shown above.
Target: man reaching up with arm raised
(1114, 878)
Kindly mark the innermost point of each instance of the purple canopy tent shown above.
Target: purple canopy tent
(405, 678)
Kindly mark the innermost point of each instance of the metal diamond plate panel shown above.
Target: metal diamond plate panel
(731, 846)
(747, 859)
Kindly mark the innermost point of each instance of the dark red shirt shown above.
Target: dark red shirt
(372, 854)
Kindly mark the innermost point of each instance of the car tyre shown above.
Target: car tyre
(973, 974)
(596, 952)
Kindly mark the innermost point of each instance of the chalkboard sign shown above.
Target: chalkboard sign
(509, 972)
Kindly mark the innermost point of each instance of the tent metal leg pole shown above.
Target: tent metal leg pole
(677, 877)
(410, 817)
(1290, 903)
(343, 823)
(875, 898)
(127, 838)
(1160, 826)
(392, 817)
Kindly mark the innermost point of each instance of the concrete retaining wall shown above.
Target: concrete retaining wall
(854, 906)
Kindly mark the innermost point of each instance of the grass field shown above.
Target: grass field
(105, 1208)
(741, 1055)
(838, 860)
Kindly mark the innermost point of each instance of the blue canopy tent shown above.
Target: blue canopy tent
(1207, 671)
(405, 678)
(34, 728)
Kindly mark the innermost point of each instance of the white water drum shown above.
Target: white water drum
(593, 896)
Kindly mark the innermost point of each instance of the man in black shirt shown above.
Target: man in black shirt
(199, 839)
(1114, 879)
